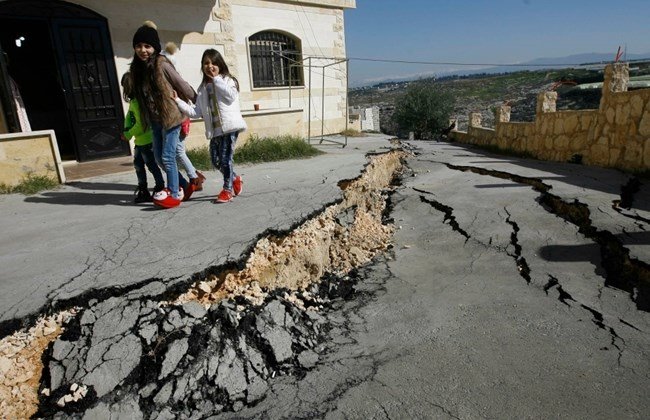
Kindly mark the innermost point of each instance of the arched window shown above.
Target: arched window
(275, 59)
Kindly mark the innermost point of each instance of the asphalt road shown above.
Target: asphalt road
(489, 305)
(88, 239)
(513, 289)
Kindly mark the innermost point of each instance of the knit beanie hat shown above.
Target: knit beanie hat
(147, 34)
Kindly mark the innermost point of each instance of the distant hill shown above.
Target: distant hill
(536, 64)
(586, 58)
(484, 92)
(567, 61)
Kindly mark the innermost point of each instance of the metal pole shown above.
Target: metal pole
(322, 109)
(347, 90)
(290, 83)
(309, 106)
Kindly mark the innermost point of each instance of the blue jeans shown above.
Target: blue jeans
(181, 156)
(222, 150)
(143, 156)
(165, 143)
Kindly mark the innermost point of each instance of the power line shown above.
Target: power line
(451, 63)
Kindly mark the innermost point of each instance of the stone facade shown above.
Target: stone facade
(34, 153)
(615, 135)
(274, 122)
(226, 25)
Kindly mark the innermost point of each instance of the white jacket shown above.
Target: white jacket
(228, 102)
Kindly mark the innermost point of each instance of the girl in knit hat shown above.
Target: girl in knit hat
(155, 78)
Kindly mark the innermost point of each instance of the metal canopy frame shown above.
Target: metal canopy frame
(333, 62)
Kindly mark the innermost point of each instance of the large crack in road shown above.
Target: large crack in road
(622, 271)
(327, 320)
(164, 353)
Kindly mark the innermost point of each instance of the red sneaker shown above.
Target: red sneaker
(165, 200)
(188, 190)
(224, 197)
(237, 185)
(198, 181)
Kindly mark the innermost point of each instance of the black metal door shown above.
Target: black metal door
(6, 98)
(90, 85)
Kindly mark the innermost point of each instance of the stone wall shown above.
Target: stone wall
(263, 123)
(33, 153)
(616, 135)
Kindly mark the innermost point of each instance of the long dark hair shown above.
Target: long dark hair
(216, 58)
(142, 73)
(127, 87)
(147, 90)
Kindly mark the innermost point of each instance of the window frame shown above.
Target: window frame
(299, 71)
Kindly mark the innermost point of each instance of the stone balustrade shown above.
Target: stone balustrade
(615, 135)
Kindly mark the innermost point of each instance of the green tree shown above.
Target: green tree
(424, 109)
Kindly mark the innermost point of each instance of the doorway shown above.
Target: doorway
(32, 65)
(60, 56)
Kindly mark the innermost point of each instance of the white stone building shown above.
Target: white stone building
(67, 57)
(368, 118)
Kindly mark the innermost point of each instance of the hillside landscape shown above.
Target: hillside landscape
(484, 92)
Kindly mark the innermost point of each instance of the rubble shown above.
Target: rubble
(21, 365)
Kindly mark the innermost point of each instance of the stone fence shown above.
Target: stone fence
(615, 135)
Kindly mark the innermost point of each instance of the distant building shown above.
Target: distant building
(368, 118)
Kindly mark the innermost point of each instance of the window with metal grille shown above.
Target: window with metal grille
(275, 60)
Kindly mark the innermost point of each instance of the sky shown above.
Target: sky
(486, 31)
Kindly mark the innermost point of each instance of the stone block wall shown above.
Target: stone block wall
(615, 135)
(35, 153)
(263, 123)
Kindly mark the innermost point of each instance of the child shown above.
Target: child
(217, 102)
(196, 178)
(143, 153)
(154, 80)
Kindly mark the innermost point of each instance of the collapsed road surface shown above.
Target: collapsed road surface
(513, 288)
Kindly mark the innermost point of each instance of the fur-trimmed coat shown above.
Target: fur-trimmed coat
(161, 105)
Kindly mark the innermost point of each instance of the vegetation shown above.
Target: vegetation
(200, 158)
(260, 149)
(424, 109)
(31, 184)
(270, 149)
(351, 132)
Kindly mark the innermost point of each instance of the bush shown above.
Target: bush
(270, 149)
(31, 184)
(351, 132)
(200, 158)
(423, 109)
(258, 149)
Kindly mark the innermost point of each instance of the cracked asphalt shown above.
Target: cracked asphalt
(490, 305)
(514, 288)
(88, 237)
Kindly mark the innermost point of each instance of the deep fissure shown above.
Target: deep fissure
(622, 271)
(253, 331)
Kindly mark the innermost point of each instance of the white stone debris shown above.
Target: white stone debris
(21, 367)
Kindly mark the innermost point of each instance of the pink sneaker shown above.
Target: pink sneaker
(224, 197)
(237, 185)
